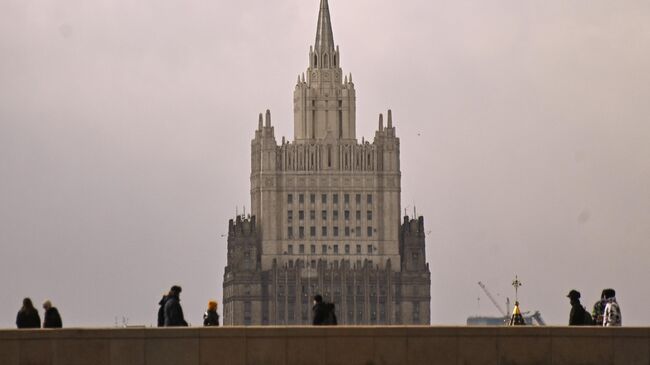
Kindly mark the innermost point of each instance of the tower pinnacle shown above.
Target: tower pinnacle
(324, 36)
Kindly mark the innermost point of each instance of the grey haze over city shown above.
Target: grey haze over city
(125, 131)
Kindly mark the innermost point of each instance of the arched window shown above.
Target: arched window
(315, 61)
(334, 61)
(325, 58)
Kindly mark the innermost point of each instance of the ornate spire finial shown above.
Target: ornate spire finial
(268, 118)
(324, 36)
(390, 118)
(260, 122)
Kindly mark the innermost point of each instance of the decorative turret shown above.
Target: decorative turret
(412, 244)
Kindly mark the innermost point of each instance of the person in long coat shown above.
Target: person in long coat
(28, 316)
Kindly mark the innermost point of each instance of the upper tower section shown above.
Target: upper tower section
(324, 100)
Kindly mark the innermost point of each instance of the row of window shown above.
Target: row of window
(325, 249)
(324, 231)
(324, 215)
(323, 197)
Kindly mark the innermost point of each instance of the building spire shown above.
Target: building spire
(324, 36)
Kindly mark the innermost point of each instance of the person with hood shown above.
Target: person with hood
(320, 311)
(211, 317)
(612, 316)
(161, 311)
(51, 318)
(599, 308)
(578, 315)
(28, 316)
(173, 310)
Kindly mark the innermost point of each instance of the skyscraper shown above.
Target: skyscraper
(325, 214)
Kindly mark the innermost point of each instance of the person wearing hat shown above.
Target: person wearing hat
(173, 310)
(578, 315)
(211, 317)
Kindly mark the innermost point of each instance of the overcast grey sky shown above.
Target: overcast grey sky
(125, 132)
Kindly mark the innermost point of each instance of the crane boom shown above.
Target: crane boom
(503, 313)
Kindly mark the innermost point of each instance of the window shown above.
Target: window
(290, 249)
(358, 215)
(290, 232)
(289, 216)
(313, 249)
(358, 199)
(312, 231)
(301, 215)
(347, 215)
(312, 198)
(336, 231)
(290, 199)
(335, 215)
(313, 264)
(301, 198)
(347, 231)
(335, 198)
(370, 249)
(347, 248)
(323, 198)
(369, 198)
(312, 214)
(358, 231)
(247, 313)
(369, 215)
(323, 215)
(324, 231)
(336, 249)
(358, 249)
(369, 231)
(301, 232)
(346, 198)
(301, 248)
(324, 249)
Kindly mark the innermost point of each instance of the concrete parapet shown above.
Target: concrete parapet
(328, 345)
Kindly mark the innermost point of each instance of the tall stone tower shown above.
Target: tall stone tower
(325, 215)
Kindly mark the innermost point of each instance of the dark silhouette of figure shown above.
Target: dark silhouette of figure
(319, 311)
(173, 310)
(161, 311)
(579, 315)
(331, 315)
(28, 316)
(211, 317)
(51, 318)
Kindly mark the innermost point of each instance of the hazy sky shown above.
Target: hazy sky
(125, 131)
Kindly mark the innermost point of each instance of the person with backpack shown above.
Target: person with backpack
(579, 315)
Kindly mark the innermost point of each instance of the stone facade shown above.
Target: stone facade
(325, 214)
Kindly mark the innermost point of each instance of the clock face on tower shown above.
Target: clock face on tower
(314, 76)
(326, 76)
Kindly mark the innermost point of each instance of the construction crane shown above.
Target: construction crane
(503, 313)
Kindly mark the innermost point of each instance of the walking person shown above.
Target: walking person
(579, 315)
(51, 318)
(211, 317)
(599, 308)
(161, 311)
(319, 311)
(173, 310)
(612, 316)
(28, 316)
